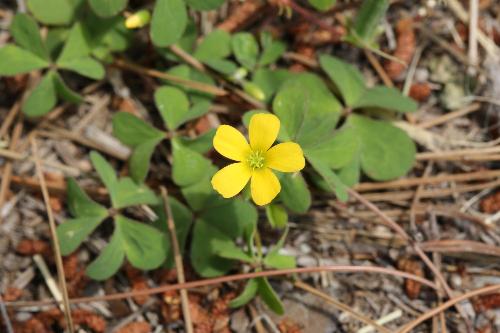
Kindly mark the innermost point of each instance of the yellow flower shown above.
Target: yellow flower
(255, 160)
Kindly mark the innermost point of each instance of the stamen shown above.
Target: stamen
(256, 159)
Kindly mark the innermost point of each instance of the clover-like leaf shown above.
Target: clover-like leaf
(107, 8)
(347, 78)
(26, 33)
(269, 296)
(43, 98)
(386, 98)
(173, 105)
(307, 109)
(140, 159)
(246, 295)
(216, 45)
(204, 4)
(57, 12)
(322, 5)
(64, 91)
(85, 66)
(109, 260)
(188, 166)
(105, 171)
(144, 246)
(331, 179)
(127, 193)
(245, 49)
(386, 152)
(133, 131)
(168, 22)
(80, 204)
(294, 192)
(276, 215)
(77, 45)
(16, 60)
(73, 232)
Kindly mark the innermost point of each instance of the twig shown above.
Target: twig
(473, 29)
(410, 182)
(49, 280)
(7, 170)
(257, 320)
(231, 278)
(55, 240)
(165, 76)
(340, 306)
(5, 316)
(178, 260)
(437, 193)
(187, 58)
(416, 198)
(385, 319)
(378, 68)
(399, 230)
(9, 119)
(10, 154)
(449, 116)
(453, 301)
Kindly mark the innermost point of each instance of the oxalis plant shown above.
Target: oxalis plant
(331, 130)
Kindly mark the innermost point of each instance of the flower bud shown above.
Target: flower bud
(138, 19)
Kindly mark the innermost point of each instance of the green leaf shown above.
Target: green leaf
(85, 66)
(234, 218)
(229, 250)
(56, 12)
(80, 204)
(104, 170)
(338, 150)
(201, 194)
(54, 41)
(271, 53)
(346, 77)
(188, 166)
(204, 258)
(245, 49)
(109, 260)
(145, 246)
(386, 98)
(16, 60)
(294, 193)
(25, 32)
(74, 231)
(307, 109)
(350, 173)
(279, 261)
(169, 22)
(386, 151)
(127, 193)
(201, 144)
(77, 45)
(269, 296)
(223, 66)
(173, 105)
(64, 91)
(368, 19)
(332, 180)
(42, 99)
(106, 8)
(270, 81)
(216, 45)
(140, 159)
(277, 216)
(133, 131)
(204, 4)
(246, 295)
(322, 5)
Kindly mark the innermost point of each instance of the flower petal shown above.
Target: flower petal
(285, 157)
(229, 142)
(263, 131)
(231, 179)
(265, 186)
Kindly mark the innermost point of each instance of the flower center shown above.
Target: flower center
(256, 159)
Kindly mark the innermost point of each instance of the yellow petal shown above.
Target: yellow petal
(231, 179)
(263, 131)
(285, 157)
(265, 186)
(229, 142)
